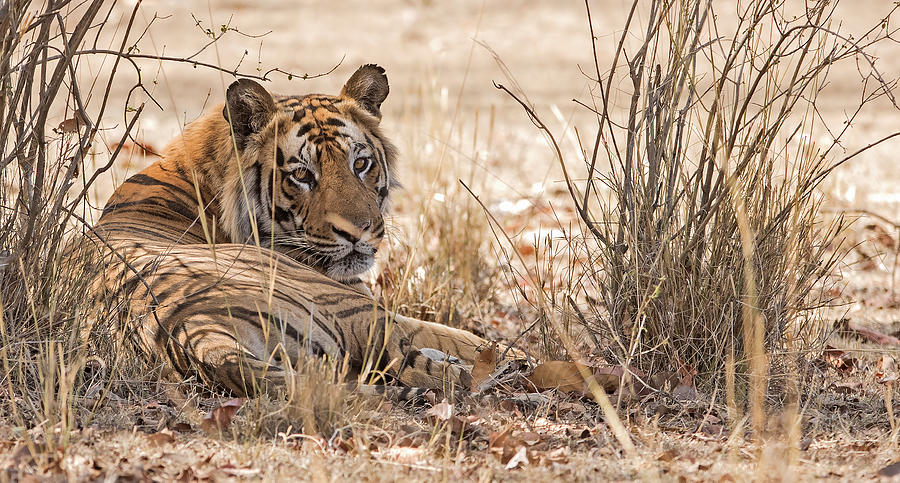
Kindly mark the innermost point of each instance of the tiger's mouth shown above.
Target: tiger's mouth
(350, 265)
(342, 264)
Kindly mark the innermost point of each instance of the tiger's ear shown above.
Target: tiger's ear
(369, 87)
(248, 107)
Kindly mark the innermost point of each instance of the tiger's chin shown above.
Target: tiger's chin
(349, 266)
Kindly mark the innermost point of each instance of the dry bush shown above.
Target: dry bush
(43, 276)
(447, 276)
(438, 265)
(701, 241)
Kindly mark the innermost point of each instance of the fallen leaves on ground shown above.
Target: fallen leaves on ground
(220, 417)
(837, 359)
(887, 370)
(890, 470)
(520, 449)
(445, 412)
(163, 437)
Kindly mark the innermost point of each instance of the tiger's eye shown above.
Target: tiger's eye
(303, 175)
(361, 165)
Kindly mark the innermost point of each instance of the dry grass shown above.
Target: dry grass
(44, 315)
(700, 247)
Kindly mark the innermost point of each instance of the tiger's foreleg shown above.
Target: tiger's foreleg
(385, 346)
(458, 343)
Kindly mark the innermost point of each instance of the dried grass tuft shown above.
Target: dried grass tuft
(701, 241)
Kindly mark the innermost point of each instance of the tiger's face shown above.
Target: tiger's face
(323, 169)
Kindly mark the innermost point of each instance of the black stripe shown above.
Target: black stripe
(353, 311)
(304, 128)
(144, 180)
(171, 205)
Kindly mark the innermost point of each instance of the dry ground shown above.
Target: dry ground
(441, 59)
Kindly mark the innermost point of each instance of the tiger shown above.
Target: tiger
(240, 251)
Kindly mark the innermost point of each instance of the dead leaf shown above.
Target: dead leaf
(162, 437)
(498, 438)
(530, 438)
(887, 370)
(220, 418)
(683, 392)
(838, 359)
(566, 407)
(664, 381)
(716, 430)
(442, 411)
(559, 455)
(342, 445)
(485, 364)
(458, 424)
(686, 373)
(520, 458)
(668, 455)
(73, 124)
(445, 412)
(510, 405)
(890, 470)
(502, 445)
(411, 436)
(567, 376)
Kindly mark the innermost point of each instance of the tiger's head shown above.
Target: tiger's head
(317, 172)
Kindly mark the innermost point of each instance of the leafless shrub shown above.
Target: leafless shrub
(702, 245)
(44, 278)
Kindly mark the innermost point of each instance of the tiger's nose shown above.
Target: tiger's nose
(352, 232)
